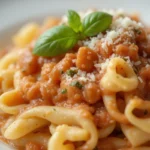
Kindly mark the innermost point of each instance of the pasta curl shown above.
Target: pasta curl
(115, 82)
(141, 123)
(65, 132)
(54, 115)
(135, 135)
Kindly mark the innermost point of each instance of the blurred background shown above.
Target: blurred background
(14, 13)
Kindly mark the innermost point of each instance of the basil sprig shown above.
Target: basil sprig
(60, 39)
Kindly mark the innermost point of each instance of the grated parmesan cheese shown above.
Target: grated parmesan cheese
(147, 65)
(82, 79)
(91, 76)
(91, 43)
(80, 76)
(140, 79)
(74, 68)
(137, 63)
(97, 65)
(126, 22)
(105, 64)
(74, 60)
(144, 54)
(104, 46)
(112, 35)
(81, 73)
(108, 39)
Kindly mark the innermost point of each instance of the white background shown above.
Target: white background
(14, 13)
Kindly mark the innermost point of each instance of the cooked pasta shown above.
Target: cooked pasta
(95, 96)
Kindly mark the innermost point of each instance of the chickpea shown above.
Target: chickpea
(92, 93)
(85, 59)
(30, 88)
(28, 63)
(62, 66)
(74, 94)
(125, 50)
(46, 70)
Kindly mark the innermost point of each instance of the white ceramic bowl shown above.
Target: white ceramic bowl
(14, 13)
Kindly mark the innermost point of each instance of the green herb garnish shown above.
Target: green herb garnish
(138, 31)
(60, 39)
(125, 59)
(96, 22)
(55, 41)
(77, 84)
(63, 91)
(71, 73)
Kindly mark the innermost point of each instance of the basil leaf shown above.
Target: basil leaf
(74, 20)
(55, 41)
(71, 73)
(77, 84)
(63, 91)
(96, 22)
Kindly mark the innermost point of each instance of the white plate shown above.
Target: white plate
(14, 13)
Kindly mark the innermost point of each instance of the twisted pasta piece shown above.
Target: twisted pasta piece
(23, 127)
(36, 137)
(79, 135)
(11, 102)
(141, 123)
(111, 106)
(8, 59)
(104, 132)
(6, 80)
(136, 136)
(115, 82)
(62, 133)
(55, 115)
(6, 74)
(26, 34)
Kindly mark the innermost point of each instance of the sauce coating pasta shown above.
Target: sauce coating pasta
(93, 97)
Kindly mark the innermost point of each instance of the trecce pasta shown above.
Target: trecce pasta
(30, 120)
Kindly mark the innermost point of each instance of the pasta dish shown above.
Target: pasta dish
(80, 82)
